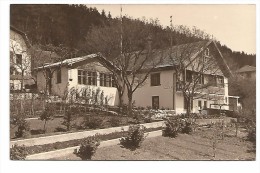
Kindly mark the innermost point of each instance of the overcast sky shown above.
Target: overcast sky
(232, 25)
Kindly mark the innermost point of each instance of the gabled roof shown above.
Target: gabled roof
(246, 68)
(162, 58)
(23, 34)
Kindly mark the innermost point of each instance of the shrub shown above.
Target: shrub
(115, 121)
(87, 148)
(22, 125)
(186, 127)
(92, 122)
(18, 152)
(251, 136)
(47, 114)
(68, 117)
(171, 128)
(135, 136)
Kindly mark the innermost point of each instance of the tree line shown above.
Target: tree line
(70, 25)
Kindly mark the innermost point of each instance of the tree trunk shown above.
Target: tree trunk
(130, 104)
(120, 95)
(32, 105)
(188, 107)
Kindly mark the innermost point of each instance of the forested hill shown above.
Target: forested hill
(69, 25)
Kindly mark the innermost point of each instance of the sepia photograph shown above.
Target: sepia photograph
(86, 84)
(131, 82)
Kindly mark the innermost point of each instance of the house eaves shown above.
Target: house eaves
(23, 34)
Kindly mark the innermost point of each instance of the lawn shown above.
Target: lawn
(197, 146)
(55, 126)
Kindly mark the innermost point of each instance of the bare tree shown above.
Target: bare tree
(128, 47)
(196, 71)
(47, 54)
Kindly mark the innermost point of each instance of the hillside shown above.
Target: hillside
(69, 25)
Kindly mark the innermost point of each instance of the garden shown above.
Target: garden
(181, 137)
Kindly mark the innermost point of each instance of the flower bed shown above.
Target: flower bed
(61, 145)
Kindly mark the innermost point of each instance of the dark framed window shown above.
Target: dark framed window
(201, 79)
(80, 76)
(92, 78)
(212, 79)
(19, 59)
(107, 80)
(155, 102)
(58, 76)
(205, 104)
(199, 104)
(155, 79)
(220, 81)
(87, 78)
(188, 76)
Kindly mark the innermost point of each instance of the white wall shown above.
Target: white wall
(57, 88)
(143, 95)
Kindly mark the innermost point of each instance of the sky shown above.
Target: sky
(232, 25)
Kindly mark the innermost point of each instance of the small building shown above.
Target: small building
(79, 73)
(20, 60)
(247, 71)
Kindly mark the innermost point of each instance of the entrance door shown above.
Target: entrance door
(155, 102)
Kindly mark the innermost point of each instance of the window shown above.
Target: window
(92, 78)
(206, 52)
(155, 79)
(107, 80)
(87, 78)
(220, 81)
(101, 79)
(155, 102)
(59, 76)
(201, 79)
(199, 104)
(19, 59)
(80, 77)
(188, 76)
(212, 80)
(205, 104)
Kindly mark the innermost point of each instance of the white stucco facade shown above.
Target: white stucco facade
(69, 80)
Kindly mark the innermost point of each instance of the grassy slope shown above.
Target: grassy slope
(185, 147)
